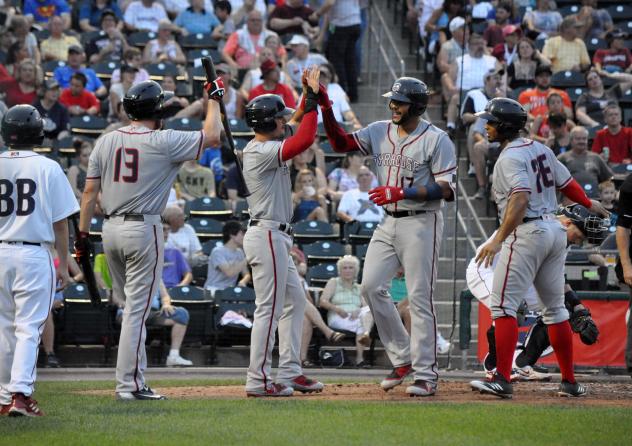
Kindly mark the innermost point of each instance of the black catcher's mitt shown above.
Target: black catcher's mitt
(582, 323)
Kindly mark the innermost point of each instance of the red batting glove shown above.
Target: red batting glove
(82, 245)
(215, 89)
(382, 195)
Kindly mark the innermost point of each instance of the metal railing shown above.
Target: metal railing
(389, 64)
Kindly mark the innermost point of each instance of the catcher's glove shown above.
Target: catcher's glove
(582, 323)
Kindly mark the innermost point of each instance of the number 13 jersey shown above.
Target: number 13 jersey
(528, 166)
(137, 167)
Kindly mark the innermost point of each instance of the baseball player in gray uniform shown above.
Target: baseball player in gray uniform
(134, 168)
(35, 200)
(280, 298)
(531, 242)
(416, 166)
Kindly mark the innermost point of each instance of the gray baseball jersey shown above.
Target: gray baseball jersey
(528, 166)
(424, 157)
(137, 167)
(268, 179)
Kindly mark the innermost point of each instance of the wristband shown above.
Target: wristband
(571, 300)
(434, 192)
(410, 193)
(311, 101)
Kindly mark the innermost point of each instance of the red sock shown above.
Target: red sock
(561, 339)
(506, 338)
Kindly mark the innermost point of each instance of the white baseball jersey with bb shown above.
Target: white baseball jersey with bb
(136, 167)
(34, 194)
(410, 236)
(535, 252)
(280, 297)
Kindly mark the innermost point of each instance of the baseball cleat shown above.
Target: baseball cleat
(528, 373)
(24, 406)
(178, 361)
(51, 361)
(396, 377)
(144, 394)
(272, 390)
(421, 388)
(572, 389)
(4, 409)
(498, 386)
(304, 384)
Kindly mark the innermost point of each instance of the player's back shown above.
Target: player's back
(32, 197)
(529, 166)
(137, 167)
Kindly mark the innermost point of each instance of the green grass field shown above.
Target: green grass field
(74, 419)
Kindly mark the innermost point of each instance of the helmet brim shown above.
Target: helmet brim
(286, 111)
(394, 96)
(486, 115)
(168, 95)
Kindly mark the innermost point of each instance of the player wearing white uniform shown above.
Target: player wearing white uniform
(35, 200)
(134, 168)
(531, 242)
(280, 297)
(416, 166)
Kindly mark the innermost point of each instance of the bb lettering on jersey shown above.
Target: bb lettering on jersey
(396, 160)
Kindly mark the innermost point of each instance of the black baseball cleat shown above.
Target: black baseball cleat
(144, 394)
(572, 389)
(498, 386)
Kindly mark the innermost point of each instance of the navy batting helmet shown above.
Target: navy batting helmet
(410, 91)
(22, 126)
(506, 115)
(145, 100)
(595, 228)
(262, 111)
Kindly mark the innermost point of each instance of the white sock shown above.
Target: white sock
(174, 353)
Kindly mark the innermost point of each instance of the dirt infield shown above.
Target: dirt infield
(532, 393)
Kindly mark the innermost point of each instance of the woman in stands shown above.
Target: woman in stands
(591, 104)
(309, 204)
(164, 48)
(542, 22)
(540, 130)
(344, 178)
(521, 72)
(346, 310)
(23, 89)
(77, 172)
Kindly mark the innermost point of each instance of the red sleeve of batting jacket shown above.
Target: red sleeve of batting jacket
(339, 139)
(574, 192)
(303, 138)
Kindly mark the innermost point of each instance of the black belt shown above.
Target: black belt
(6, 242)
(528, 219)
(127, 217)
(399, 214)
(284, 227)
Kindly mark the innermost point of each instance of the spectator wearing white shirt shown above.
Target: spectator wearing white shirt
(144, 15)
(228, 261)
(183, 237)
(355, 204)
(301, 59)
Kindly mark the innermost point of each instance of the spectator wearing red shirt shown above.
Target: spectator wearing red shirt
(271, 74)
(534, 99)
(615, 137)
(617, 58)
(77, 99)
(22, 89)
(294, 18)
(507, 51)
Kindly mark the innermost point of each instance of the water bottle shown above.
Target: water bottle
(606, 153)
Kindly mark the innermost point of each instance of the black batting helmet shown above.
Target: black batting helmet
(595, 228)
(145, 100)
(262, 111)
(22, 126)
(411, 91)
(506, 115)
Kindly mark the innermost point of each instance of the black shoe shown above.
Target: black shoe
(143, 394)
(51, 361)
(572, 389)
(363, 365)
(498, 386)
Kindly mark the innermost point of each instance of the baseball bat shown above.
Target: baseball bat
(86, 267)
(209, 68)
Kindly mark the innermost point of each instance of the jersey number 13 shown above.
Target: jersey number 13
(126, 158)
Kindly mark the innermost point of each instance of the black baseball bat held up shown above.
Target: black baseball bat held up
(209, 68)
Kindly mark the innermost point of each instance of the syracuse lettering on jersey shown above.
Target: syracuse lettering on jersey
(389, 159)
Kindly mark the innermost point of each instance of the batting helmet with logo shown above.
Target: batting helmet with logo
(145, 100)
(22, 126)
(263, 110)
(595, 228)
(410, 91)
(506, 115)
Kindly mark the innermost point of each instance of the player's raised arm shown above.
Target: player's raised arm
(213, 124)
(340, 140)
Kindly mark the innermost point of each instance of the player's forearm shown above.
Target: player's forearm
(187, 279)
(623, 245)
(573, 191)
(304, 138)
(88, 202)
(60, 228)
(339, 139)
(440, 190)
(212, 125)
(516, 209)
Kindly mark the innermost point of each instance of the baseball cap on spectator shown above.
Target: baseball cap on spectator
(616, 34)
(77, 49)
(493, 72)
(541, 69)
(125, 68)
(223, 68)
(456, 23)
(51, 84)
(510, 29)
(267, 66)
(298, 39)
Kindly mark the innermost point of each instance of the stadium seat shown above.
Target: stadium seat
(566, 79)
(213, 207)
(307, 231)
(235, 294)
(359, 232)
(198, 40)
(594, 44)
(158, 71)
(569, 10)
(49, 67)
(240, 143)
(96, 226)
(89, 36)
(325, 145)
(193, 55)
(238, 127)
(575, 93)
(360, 251)
(210, 245)
(104, 70)
(318, 275)
(620, 12)
(625, 25)
(330, 166)
(238, 299)
(197, 74)
(323, 252)
(206, 228)
(140, 38)
(188, 124)
(87, 125)
(201, 309)
(241, 210)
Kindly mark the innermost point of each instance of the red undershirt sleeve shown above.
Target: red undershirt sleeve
(339, 139)
(574, 191)
(303, 138)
